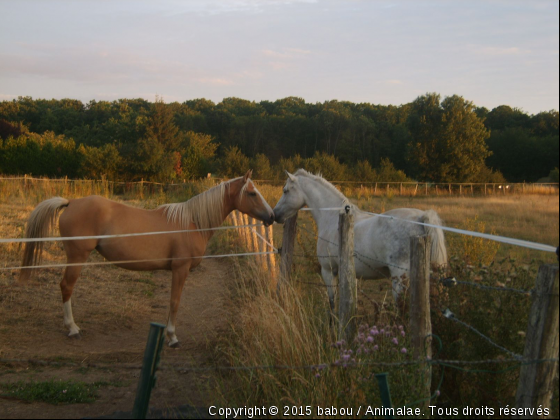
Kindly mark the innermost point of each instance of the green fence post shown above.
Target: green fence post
(384, 391)
(148, 373)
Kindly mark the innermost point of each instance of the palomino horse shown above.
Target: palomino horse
(178, 252)
(381, 245)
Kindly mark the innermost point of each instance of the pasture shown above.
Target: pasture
(230, 314)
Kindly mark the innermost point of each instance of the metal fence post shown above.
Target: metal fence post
(148, 374)
(384, 392)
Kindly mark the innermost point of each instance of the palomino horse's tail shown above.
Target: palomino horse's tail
(439, 250)
(40, 224)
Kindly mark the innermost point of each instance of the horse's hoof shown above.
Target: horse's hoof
(174, 344)
(75, 336)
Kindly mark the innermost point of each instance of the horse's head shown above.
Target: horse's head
(249, 200)
(291, 201)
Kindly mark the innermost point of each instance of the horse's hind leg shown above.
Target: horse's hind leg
(69, 279)
(178, 281)
(328, 278)
(400, 285)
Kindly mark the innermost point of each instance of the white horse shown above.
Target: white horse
(381, 245)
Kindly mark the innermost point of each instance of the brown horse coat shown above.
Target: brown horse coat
(178, 252)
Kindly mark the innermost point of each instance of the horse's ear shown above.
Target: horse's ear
(291, 177)
(248, 175)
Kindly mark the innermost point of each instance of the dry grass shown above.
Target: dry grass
(290, 329)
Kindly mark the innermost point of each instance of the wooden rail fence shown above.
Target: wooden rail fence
(255, 239)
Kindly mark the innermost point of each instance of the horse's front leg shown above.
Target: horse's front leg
(178, 281)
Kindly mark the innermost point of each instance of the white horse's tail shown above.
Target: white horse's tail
(40, 223)
(439, 250)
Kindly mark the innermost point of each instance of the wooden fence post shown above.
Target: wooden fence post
(252, 245)
(287, 254)
(541, 342)
(420, 326)
(263, 247)
(347, 286)
(269, 235)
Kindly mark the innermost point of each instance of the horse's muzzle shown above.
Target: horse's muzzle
(269, 221)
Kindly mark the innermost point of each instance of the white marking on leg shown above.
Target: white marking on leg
(69, 319)
(170, 330)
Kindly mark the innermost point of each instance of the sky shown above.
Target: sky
(501, 52)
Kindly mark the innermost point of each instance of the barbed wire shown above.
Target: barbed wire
(450, 315)
(452, 281)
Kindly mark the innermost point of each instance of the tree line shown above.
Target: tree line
(430, 139)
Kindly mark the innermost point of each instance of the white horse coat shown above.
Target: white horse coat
(381, 245)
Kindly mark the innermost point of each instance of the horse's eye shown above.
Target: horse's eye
(285, 191)
(253, 194)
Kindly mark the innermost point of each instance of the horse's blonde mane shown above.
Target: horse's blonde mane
(322, 181)
(205, 210)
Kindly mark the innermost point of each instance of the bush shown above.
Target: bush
(234, 163)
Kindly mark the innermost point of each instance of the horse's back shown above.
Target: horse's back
(86, 216)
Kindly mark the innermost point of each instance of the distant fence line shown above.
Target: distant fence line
(409, 188)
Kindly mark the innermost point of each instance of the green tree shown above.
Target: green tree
(448, 139)
(100, 161)
(262, 168)
(326, 165)
(162, 128)
(234, 163)
(388, 173)
(363, 171)
(200, 152)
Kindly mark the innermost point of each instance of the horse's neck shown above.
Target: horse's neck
(320, 196)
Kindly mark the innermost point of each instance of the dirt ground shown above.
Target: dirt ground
(114, 308)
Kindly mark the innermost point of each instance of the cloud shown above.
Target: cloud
(286, 53)
(393, 82)
(215, 81)
(495, 51)
(284, 59)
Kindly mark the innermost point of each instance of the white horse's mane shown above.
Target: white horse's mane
(319, 178)
(205, 210)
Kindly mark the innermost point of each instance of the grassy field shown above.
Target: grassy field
(264, 328)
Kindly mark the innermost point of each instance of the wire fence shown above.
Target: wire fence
(516, 359)
(445, 281)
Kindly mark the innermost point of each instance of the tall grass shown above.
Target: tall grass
(290, 329)
(290, 355)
